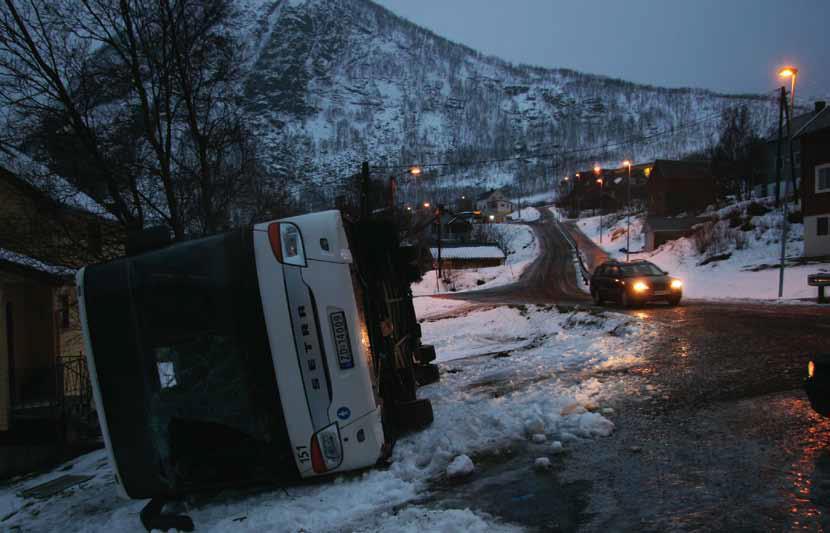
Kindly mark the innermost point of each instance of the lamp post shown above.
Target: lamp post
(792, 73)
(627, 163)
(598, 171)
(416, 171)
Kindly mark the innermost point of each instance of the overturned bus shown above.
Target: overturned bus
(289, 349)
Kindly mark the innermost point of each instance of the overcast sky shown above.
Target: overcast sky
(727, 45)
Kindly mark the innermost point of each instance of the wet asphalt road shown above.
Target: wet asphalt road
(715, 435)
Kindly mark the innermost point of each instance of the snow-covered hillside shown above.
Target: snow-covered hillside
(331, 83)
(740, 259)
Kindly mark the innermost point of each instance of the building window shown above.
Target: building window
(822, 226)
(823, 178)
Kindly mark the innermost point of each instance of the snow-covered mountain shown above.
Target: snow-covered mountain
(331, 83)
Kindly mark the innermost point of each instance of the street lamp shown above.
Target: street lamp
(627, 163)
(426, 205)
(416, 171)
(792, 73)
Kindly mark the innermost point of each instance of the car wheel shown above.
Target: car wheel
(413, 415)
(595, 296)
(625, 300)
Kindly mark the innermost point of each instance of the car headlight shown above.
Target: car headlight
(676, 284)
(640, 287)
(811, 369)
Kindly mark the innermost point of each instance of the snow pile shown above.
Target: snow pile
(460, 466)
(522, 248)
(481, 405)
(526, 214)
(738, 258)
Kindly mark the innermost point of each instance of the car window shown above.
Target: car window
(641, 269)
(614, 271)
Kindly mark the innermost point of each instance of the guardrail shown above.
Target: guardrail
(584, 272)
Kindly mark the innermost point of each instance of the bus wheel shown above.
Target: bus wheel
(413, 415)
(426, 374)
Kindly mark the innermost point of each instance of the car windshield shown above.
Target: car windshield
(641, 269)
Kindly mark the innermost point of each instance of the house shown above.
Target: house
(471, 255)
(452, 228)
(768, 182)
(659, 230)
(45, 398)
(814, 141)
(494, 206)
(679, 186)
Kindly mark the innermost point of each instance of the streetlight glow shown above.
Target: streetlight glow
(626, 163)
(597, 169)
(415, 171)
(426, 204)
(567, 178)
(599, 180)
(788, 72)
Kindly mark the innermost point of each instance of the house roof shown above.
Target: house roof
(682, 169)
(469, 252)
(658, 224)
(817, 122)
(18, 167)
(486, 195)
(29, 265)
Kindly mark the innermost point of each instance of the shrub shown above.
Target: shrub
(796, 217)
(755, 209)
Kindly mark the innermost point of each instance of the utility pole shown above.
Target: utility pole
(782, 105)
(365, 209)
(628, 219)
(784, 203)
(440, 210)
(778, 162)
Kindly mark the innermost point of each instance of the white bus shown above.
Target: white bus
(265, 354)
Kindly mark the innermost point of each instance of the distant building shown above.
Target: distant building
(679, 187)
(768, 182)
(659, 230)
(452, 228)
(814, 142)
(494, 204)
(468, 256)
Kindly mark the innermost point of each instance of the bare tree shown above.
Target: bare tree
(137, 103)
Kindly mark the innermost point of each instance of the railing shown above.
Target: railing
(61, 389)
(583, 270)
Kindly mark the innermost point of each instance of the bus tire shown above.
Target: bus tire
(426, 374)
(413, 415)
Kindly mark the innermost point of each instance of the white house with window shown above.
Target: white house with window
(494, 206)
(814, 138)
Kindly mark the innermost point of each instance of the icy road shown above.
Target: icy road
(554, 416)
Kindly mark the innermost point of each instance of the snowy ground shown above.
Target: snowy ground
(526, 214)
(522, 249)
(750, 270)
(539, 390)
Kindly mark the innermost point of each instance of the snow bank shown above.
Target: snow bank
(526, 214)
(750, 255)
(522, 249)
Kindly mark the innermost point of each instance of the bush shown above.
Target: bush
(755, 209)
(796, 217)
